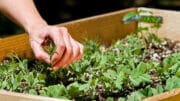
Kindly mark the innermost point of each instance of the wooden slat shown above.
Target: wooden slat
(18, 44)
(10, 96)
(173, 95)
(105, 27)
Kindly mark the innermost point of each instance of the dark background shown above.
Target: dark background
(58, 11)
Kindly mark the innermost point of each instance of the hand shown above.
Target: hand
(67, 50)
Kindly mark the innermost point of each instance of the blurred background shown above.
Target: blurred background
(58, 11)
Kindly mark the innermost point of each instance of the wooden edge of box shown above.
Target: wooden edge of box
(16, 44)
(103, 27)
(173, 95)
(99, 16)
(12, 96)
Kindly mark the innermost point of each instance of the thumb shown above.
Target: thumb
(39, 51)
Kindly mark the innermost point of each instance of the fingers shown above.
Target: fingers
(77, 51)
(73, 51)
(39, 52)
(67, 53)
(81, 51)
(67, 49)
(60, 46)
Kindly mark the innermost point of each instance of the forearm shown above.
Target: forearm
(23, 13)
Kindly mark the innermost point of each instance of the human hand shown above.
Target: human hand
(67, 50)
(25, 14)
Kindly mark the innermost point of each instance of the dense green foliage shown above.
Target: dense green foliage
(119, 71)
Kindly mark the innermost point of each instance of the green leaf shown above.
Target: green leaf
(84, 88)
(135, 96)
(4, 84)
(121, 99)
(73, 90)
(32, 91)
(14, 82)
(110, 99)
(108, 85)
(43, 92)
(154, 38)
(110, 74)
(178, 73)
(135, 81)
(41, 76)
(142, 67)
(145, 78)
(30, 78)
(119, 80)
(138, 79)
(19, 77)
(172, 83)
(142, 29)
(129, 16)
(58, 91)
(160, 89)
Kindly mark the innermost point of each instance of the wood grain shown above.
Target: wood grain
(10, 96)
(173, 95)
(17, 44)
(104, 28)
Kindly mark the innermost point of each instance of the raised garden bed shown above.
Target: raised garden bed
(133, 68)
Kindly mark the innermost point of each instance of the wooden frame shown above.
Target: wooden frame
(107, 28)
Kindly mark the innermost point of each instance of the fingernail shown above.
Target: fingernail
(53, 61)
(48, 60)
(65, 66)
(55, 68)
(74, 61)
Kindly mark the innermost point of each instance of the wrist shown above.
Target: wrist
(34, 25)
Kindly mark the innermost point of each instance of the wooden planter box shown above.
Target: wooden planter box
(104, 27)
